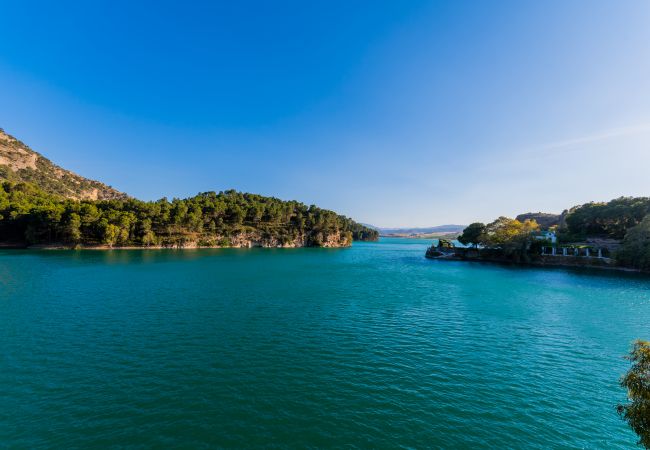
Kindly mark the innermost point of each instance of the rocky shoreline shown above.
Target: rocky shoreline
(247, 240)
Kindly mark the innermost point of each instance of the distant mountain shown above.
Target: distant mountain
(19, 163)
(440, 229)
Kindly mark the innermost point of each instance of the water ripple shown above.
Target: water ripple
(365, 347)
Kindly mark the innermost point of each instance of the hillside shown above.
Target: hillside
(44, 205)
(19, 163)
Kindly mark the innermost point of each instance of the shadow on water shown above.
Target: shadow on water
(583, 271)
(148, 256)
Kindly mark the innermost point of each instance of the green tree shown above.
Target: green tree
(28, 214)
(635, 249)
(472, 234)
(73, 228)
(637, 382)
(109, 233)
(505, 231)
(147, 236)
(514, 238)
(611, 219)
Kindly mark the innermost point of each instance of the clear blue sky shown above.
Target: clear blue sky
(396, 113)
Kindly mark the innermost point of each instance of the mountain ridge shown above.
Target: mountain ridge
(438, 229)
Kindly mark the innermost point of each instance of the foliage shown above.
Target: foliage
(445, 243)
(504, 230)
(544, 220)
(472, 234)
(637, 382)
(611, 219)
(624, 218)
(46, 175)
(28, 214)
(635, 250)
(513, 237)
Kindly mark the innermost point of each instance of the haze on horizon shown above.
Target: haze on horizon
(395, 114)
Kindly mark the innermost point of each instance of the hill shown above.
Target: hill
(42, 204)
(19, 163)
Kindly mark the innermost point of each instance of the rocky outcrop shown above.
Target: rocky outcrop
(257, 239)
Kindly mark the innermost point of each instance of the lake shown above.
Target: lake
(370, 346)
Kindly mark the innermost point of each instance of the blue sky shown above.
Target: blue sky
(394, 113)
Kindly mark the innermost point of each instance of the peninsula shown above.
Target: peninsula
(614, 234)
(44, 205)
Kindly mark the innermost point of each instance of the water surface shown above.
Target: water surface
(372, 346)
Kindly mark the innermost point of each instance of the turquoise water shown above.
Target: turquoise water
(372, 346)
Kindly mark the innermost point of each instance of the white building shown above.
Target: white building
(546, 236)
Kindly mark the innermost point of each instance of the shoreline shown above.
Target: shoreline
(540, 264)
(153, 247)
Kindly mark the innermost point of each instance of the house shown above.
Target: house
(546, 236)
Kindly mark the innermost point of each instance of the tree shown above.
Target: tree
(504, 231)
(73, 229)
(635, 250)
(611, 219)
(472, 234)
(28, 214)
(147, 236)
(109, 233)
(637, 382)
(514, 238)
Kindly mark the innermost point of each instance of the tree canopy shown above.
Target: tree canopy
(472, 234)
(505, 231)
(637, 382)
(635, 250)
(509, 237)
(30, 215)
(611, 219)
(544, 220)
(625, 219)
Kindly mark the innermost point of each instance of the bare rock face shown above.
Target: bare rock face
(252, 239)
(19, 163)
(256, 239)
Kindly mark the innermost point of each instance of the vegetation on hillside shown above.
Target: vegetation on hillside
(607, 220)
(30, 215)
(623, 224)
(635, 249)
(544, 220)
(19, 163)
(637, 383)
